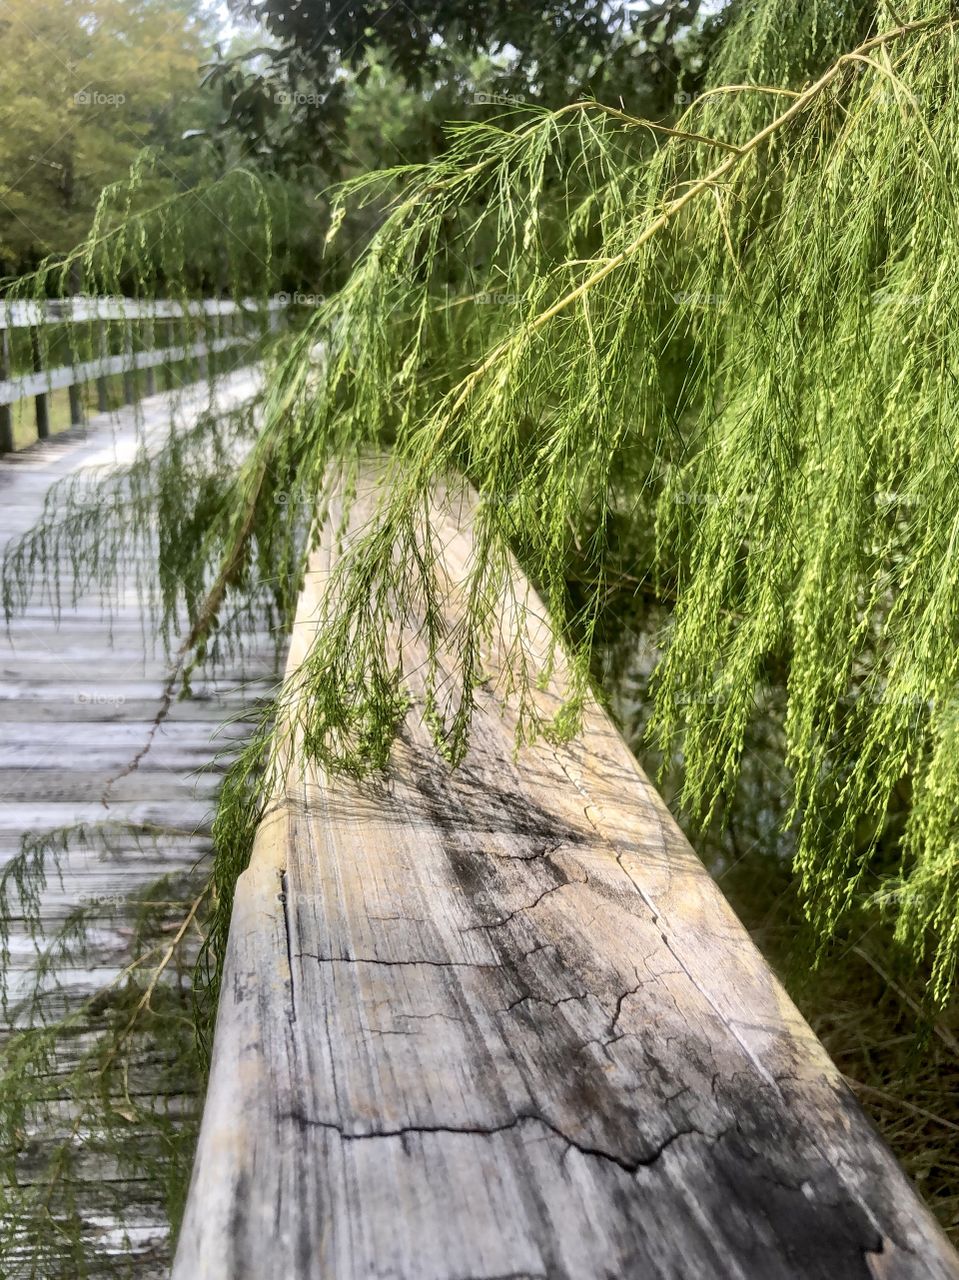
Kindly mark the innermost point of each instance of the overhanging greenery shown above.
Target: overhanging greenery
(732, 337)
(743, 323)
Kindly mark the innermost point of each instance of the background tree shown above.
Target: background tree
(87, 85)
(456, 57)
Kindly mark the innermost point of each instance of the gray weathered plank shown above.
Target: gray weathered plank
(78, 700)
(28, 313)
(501, 1022)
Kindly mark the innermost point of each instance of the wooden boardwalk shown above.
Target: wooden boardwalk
(77, 704)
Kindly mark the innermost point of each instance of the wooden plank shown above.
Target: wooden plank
(78, 699)
(6, 416)
(501, 1022)
(38, 385)
(129, 365)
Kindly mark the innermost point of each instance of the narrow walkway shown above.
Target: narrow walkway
(77, 704)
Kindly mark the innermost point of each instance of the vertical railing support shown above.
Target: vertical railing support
(168, 337)
(150, 373)
(103, 396)
(77, 416)
(129, 374)
(42, 403)
(203, 362)
(6, 412)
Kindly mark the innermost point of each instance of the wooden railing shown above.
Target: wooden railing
(501, 1022)
(223, 325)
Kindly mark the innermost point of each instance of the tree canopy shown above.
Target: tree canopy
(88, 85)
(457, 56)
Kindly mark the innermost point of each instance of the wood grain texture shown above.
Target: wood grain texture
(501, 1023)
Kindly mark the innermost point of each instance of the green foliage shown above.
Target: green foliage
(88, 85)
(296, 98)
(516, 323)
(864, 998)
(716, 357)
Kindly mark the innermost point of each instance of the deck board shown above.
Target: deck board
(77, 701)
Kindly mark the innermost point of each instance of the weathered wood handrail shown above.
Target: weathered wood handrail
(46, 380)
(34, 315)
(29, 313)
(501, 1022)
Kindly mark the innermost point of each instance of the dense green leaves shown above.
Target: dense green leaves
(87, 85)
(302, 98)
(733, 335)
(714, 360)
(787, 251)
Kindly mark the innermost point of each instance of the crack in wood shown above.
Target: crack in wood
(631, 1166)
(693, 1159)
(392, 964)
(284, 901)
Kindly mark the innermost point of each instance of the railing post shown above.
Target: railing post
(203, 363)
(103, 397)
(43, 410)
(168, 334)
(6, 413)
(75, 388)
(150, 372)
(235, 332)
(222, 331)
(129, 374)
(76, 405)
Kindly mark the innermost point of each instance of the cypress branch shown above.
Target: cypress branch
(747, 361)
